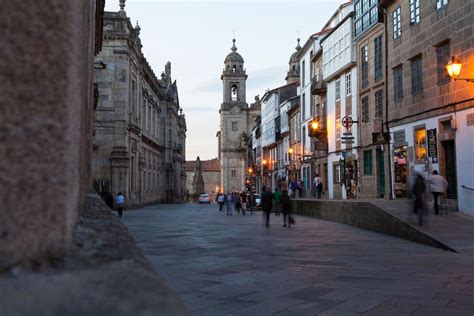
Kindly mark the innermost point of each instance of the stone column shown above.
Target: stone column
(46, 101)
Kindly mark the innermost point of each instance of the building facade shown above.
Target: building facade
(431, 116)
(340, 75)
(373, 137)
(236, 123)
(139, 128)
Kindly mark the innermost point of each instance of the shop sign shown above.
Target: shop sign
(399, 139)
(432, 145)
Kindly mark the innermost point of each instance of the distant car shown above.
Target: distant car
(204, 198)
(258, 200)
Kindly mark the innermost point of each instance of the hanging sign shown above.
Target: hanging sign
(432, 145)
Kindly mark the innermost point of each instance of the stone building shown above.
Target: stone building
(211, 176)
(139, 128)
(236, 123)
(431, 116)
(369, 37)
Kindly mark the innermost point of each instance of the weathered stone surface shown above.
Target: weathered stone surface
(46, 60)
(364, 214)
(105, 273)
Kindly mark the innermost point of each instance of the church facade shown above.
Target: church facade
(236, 123)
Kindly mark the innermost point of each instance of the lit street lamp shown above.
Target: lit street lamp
(454, 70)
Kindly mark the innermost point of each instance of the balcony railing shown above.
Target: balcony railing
(318, 86)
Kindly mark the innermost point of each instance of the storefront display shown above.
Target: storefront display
(400, 159)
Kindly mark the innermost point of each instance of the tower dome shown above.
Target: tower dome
(294, 66)
(233, 56)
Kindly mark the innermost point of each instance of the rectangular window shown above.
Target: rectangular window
(443, 53)
(397, 22)
(311, 106)
(348, 84)
(420, 145)
(233, 173)
(364, 61)
(378, 58)
(365, 109)
(338, 89)
(303, 110)
(303, 73)
(368, 162)
(441, 3)
(414, 11)
(416, 76)
(235, 126)
(379, 103)
(397, 83)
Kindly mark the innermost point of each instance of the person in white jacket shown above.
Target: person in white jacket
(438, 185)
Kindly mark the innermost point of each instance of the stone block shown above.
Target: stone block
(46, 63)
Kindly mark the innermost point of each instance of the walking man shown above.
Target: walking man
(220, 200)
(267, 205)
(438, 186)
(418, 190)
(229, 199)
(120, 201)
(318, 184)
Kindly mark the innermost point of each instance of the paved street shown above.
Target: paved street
(221, 265)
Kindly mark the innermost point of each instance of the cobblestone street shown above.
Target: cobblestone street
(222, 265)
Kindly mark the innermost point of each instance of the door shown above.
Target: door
(380, 173)
(450, 163)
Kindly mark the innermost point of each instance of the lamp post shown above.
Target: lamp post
(454, 69)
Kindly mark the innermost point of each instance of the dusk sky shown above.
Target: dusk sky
(196, 36)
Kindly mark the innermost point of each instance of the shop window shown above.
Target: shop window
(420, 145)
(401, 172)
(368, 163)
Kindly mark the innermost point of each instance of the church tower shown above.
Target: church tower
(235, 123)
(293, 74)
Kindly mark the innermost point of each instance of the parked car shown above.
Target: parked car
(204, 198)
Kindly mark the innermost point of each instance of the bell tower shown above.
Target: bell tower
(234, 79)
(234, 123)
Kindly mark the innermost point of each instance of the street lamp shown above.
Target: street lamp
(315, 125)
(454, 70)
(250, 170)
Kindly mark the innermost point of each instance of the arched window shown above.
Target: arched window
(234, 93)
(234, 68)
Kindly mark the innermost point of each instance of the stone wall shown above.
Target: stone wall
(364, 215)
(46, 101)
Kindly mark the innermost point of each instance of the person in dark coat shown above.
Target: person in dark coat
(286, 208)
(267, 205)
(418, 190)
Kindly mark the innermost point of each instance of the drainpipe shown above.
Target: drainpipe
(389, 154)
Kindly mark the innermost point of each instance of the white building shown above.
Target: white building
(340, 74)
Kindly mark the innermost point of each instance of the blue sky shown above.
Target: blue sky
(197, 35)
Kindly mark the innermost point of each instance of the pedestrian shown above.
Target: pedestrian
(318, 184)
(243, 203)
(237, 203)
(300, 188)
(220, 200)
(286, 209)
(293, 188)
(120, 201)
(277, 198)
(438, 186)
(418, 191)
(267, 205)
(251, 202)
(229, 203)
